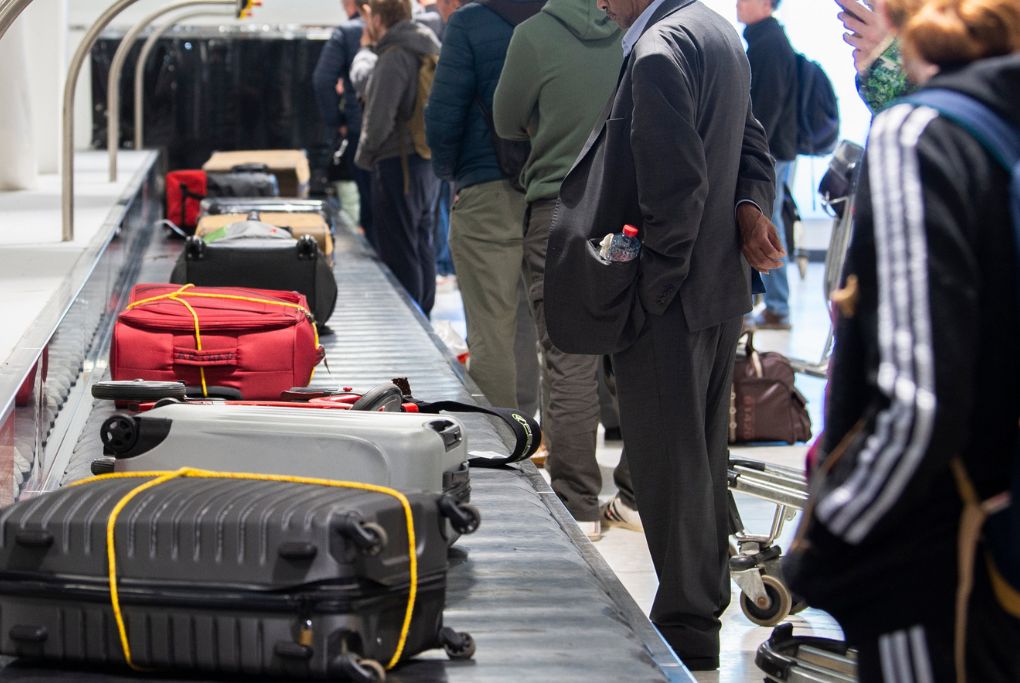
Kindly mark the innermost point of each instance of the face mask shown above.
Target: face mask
(884, 81)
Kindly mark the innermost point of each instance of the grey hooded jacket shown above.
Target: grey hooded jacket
(391, 90)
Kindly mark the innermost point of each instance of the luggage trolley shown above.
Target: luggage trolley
(755, 559)
(837, 189)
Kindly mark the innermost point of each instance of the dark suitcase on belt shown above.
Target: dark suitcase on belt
(280, 263)
(244, 180)
(226, 575)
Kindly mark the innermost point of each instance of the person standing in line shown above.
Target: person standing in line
(560, 68)
(774, 101)
(403, 186)
(340, 109)
(925, 389)
(674, 151)
(486, 218)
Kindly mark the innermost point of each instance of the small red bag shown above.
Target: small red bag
(185, 191)
(260, 342)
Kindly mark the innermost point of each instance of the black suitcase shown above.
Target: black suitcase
(262, 263)
(227, 575)
(244, 180)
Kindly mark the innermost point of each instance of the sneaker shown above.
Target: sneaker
(769, 320)
(618, 513)
(593, 530)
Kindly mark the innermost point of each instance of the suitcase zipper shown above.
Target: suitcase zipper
(303, 601)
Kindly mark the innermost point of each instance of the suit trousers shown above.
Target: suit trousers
(486, 244)
(570, 411)
(402, 224)
(673, 386)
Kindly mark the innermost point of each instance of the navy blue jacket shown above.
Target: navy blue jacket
(474, 47)
(335, 63)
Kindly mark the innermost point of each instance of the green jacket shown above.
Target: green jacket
(561, 68)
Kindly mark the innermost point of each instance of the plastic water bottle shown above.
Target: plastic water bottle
(622, 246)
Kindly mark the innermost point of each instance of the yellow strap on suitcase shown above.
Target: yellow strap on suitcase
(178, 296)
(191, 473)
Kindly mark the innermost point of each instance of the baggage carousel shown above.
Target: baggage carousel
(538, 599)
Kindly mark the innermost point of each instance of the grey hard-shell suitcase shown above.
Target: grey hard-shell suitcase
(303, 580)
(408, 451)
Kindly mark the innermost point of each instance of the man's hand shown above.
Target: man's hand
(759, 241)
(867, 32)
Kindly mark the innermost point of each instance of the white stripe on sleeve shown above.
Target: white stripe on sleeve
(893, 452)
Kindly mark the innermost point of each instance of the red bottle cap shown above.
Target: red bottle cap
(630, 231)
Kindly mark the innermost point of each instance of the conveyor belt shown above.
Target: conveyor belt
(539, 600)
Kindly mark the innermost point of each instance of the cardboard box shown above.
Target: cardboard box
(289, 165)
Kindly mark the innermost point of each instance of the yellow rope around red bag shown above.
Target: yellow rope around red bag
(179, 295)
(188, 472)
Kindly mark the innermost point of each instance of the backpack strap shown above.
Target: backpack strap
(995, 134)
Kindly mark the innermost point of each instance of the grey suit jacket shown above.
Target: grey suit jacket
(676, 149)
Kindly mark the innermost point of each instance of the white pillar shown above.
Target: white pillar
(18, 166)
(46, 22)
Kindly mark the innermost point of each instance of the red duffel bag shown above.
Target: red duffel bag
(260, 342)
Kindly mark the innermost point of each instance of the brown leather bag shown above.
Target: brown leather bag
(764, 404)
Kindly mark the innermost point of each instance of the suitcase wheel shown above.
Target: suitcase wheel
(458, 645)
(307, 248)
(194, 248)
(361, 670)
(369, 537)
(463, 518)
(119, 434)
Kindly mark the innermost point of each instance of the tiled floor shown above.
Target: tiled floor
(626, 552)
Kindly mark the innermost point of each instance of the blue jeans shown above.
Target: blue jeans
(777, 287)
(444, 262)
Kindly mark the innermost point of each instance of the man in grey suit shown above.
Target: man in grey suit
(679, 155)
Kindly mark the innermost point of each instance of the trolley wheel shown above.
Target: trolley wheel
(362, 670)
(457, 645)
(137, 390)
(778, 607)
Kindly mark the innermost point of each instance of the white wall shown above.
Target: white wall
(46, 23)
(814, 30)
(18, 167)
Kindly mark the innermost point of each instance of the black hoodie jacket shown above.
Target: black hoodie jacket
(926, 364)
